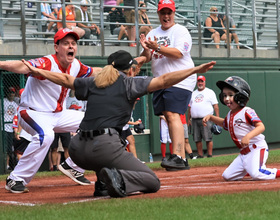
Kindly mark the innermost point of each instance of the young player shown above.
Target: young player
(246, 130)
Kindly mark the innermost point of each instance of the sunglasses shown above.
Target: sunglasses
(215, 10)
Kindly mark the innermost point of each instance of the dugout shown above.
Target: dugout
(262, 74)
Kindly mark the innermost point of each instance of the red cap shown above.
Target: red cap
(166, 4)
(12, 89)
(74, 106)
(138, 99)
(201, 78)
(63, 33)
(20, 91)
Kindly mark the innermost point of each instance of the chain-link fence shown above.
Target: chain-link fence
(10, 85)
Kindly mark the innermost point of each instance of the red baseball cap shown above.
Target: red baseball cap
(12, 89)
(201, 78)
(63, 33)
(166, 4)
(74, 106)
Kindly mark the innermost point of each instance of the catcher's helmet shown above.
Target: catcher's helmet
(139, 128)
(237, 84)
(216, 129)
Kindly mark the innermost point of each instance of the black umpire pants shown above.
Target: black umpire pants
(107, 150)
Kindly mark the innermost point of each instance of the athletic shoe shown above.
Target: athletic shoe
(15, 186)
(100, 189)
(187, 167)
(194, 158)
(209, 156)
(75, 175)
(173, 162)
(164, 159)
(114, 182)
(199, 157)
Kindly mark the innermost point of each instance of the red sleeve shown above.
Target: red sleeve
(41, 63)
(251, 117)
(85, 71)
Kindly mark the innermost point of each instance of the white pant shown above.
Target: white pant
(252, 163)
(42, 125)
(164, 132)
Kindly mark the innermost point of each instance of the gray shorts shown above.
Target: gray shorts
(186, 133)
(200, 132)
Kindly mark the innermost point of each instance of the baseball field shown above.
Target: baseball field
(198, 193)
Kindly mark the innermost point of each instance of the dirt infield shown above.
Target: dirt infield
(196, 181)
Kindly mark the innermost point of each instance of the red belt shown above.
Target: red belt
(247, 150)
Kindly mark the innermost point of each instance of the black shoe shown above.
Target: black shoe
(100, 189)
(173, 162)
(15, 186)
(199, 157)
(75, 175)
(187, 167)
(114, 182)
(209, 156)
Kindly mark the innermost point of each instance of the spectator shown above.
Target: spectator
(55, 155)
(70, 16)
(47, 14)
(73, 103)
(164, 137)
(10, 110)
(203, 102)
(214, 28)
(188, 148)
(168, 47)
(111, 2)
(144, 19)
(129, 14)
(128, 136)
(85, 21)
(245, 128)
(116, 16)
(231, 25)
(56, 7)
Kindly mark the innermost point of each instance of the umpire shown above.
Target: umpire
(111, 95)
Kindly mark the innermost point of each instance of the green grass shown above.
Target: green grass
(251, 205)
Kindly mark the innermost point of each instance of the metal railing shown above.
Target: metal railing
(195, 23)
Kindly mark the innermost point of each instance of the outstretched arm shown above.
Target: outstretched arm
(62, 79)
(217, 120)
(15, 66)
(169, 79)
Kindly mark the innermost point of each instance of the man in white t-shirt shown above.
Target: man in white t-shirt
(203, 102)
(168, 47)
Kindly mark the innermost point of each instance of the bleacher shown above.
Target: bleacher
(186, 14)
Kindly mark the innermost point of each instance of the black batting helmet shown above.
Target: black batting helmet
(239, 85)
(139, 128)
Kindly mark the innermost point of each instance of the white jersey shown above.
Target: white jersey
(10, 110)
(241, 123)
(202, 103)
(252, 159)
(176, 37)
(43, 95)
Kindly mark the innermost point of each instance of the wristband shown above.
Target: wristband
(18, 133)
(158, 48)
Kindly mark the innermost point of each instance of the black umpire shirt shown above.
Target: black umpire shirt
(109, 107)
